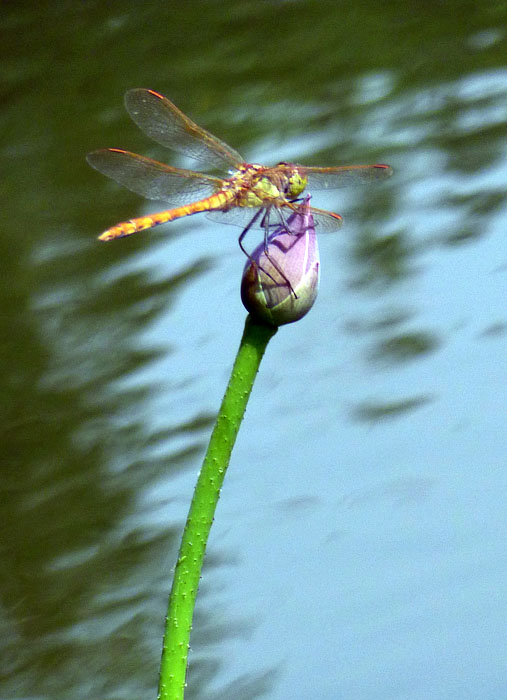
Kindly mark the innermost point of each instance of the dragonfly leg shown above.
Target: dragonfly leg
(265, 226)
(245, 231)
(265, 223)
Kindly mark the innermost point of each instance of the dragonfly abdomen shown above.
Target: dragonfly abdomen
(219, 200)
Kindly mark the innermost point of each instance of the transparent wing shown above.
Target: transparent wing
(152, 179)
(325, 221)
(333, 178)
(237, 216)
(166, 124)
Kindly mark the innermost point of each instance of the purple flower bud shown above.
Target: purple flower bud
(280, 287)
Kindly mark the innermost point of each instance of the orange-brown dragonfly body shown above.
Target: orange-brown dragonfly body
(235, 199)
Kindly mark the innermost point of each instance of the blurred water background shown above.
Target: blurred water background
(359, 546)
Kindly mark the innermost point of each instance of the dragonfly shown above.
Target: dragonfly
(250, 193)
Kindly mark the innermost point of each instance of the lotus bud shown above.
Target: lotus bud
(281, 280)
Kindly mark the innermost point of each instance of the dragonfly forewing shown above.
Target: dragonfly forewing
(334, 178)
(163, 122)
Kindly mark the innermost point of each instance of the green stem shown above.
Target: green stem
(202, 509)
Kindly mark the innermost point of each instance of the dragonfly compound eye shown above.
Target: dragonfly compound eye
(297, 184)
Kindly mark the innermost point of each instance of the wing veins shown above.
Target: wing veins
(152, 179)
(334, 178)
(163, 122)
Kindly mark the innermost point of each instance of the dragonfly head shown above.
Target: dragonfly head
(296, 181)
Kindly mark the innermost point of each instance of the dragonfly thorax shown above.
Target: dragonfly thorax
(257, 185)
